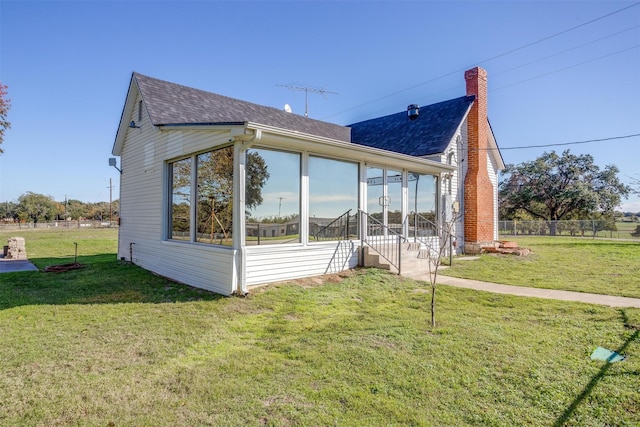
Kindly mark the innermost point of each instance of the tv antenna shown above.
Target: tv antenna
(306, 90)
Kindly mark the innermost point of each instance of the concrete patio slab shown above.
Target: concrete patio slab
(13, 265)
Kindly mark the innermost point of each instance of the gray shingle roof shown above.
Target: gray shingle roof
(173, 104)
(429, 134)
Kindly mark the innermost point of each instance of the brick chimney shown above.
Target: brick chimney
(478, 189)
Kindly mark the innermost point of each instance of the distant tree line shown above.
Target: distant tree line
(561, 187)
(34, 208)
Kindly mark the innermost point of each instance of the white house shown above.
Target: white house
(224, 194)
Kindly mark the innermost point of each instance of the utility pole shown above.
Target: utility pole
(306, 90)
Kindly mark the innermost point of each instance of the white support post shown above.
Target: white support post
(239, 190)
(304, 203)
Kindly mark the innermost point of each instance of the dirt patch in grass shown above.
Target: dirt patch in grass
(311, 282)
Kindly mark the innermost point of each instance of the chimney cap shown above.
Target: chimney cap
(413, 111)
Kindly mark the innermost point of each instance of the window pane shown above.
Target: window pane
(272, 197)
(422, 195)
(375, 193)
(333, 190)
(214, 211)
(180, 199)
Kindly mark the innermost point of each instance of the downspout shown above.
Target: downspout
(242, 144)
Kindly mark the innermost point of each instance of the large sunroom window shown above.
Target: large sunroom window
(272, 202)
(423, 201)
(423, 194)
(214, 192)
(180, 203)
(202, 205)
(333, 199)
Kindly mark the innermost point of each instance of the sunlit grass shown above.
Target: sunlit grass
(112, 344)
(574, 264)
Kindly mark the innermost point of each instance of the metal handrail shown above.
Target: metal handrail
(385, 241)
(344, 232)
(442, 234)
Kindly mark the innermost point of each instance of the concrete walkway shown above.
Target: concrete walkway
(12, 265)
(609, 300)
(522, 291)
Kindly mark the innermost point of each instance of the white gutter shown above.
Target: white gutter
(347, 149)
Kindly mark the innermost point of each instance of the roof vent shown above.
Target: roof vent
(413, 111)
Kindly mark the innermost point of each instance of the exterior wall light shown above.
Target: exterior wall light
(112, 162)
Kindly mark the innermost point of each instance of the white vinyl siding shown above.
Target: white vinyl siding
(276, 263)
(143, 202)
(455, 185)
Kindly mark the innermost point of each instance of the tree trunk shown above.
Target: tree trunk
(433, 305)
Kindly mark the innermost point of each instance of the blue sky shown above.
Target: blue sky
(68, 66)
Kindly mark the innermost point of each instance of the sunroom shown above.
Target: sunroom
(227, 203)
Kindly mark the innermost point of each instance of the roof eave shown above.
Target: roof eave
(199, 126)
(127, 110)
(364, 152)
(495, 150)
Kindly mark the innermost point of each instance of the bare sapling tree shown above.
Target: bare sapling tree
(446, 236)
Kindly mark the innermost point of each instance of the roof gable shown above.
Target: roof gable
(429, 134)
(173, 104)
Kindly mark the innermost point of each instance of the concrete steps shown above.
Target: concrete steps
(414, 260)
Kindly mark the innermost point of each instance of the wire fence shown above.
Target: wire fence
(82, 224)
(575, 228)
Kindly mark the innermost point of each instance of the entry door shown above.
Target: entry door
(384, 198)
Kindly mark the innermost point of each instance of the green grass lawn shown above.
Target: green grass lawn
(573, 264)
(49, 246)
(113, 345)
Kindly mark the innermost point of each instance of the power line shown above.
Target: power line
(560, 33)
(563, 51)
(485, 60)
(566, 143)
(432, 95)
(566, 68)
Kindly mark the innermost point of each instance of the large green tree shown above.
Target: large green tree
(36, 207)
(5, 104)
(556, 187)
(8, 211)
(635, 185)
(75, 209)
